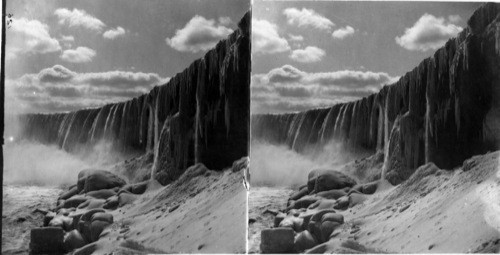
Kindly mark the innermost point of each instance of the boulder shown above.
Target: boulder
(277, 240)
(329, 179)
(292, 222)
(101, 194)
(335, 217)
(107, 217)
(314, 225)
(74, 201)
(366, 188)
(48, 218)
(303, 202)
(126, 198)
(327, 228)
(62, 221)
(332, 194)
(111, 203)
(136, 188)
(342, 203)
(96, 228)
(85, 222)
(92, 204)
(73, 191)
(91, 180)
(299, 194)
(303, 241)
(47, 240)
(279, 217)
(323, 204)
(356, 198)
(73, 240)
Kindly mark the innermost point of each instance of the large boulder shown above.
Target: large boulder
(325, 179)
(277, 240)
(91, 180)
(47, 240)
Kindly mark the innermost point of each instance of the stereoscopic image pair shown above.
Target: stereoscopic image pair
(237, 126)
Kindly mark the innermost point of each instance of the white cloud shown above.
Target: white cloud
(79, 18)
(114, 33)
(295, 38)
(265, 38)
(199, 34)
(287, 88)
(29, 37)
(428, 33)
(308, 55)
(78, 55)
(307, 18)
(343, 32)
(58, 89)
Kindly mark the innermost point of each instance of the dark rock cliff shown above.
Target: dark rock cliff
(445, 110)
(200, 116)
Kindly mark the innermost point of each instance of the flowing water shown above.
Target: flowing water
(260, 199)
(18, 216)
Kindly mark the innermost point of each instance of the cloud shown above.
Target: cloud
(296, 38)
(428, 33)
(57, 89)
(287, 88)
(79, 18)
(78, 55)
(308, 55)
(114, 33)
(307, 18)
(199, 34)
(343, 32)
(265, 38)
(29, 37)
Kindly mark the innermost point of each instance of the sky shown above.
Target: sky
(68, 55)
(310, 54)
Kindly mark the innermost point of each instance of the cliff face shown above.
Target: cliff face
(200, 116)
(443, 111)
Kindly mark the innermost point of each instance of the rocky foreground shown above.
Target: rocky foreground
(202, 212)
(434, 211)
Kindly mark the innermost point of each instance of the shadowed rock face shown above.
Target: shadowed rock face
(448, 107)
(200, 116)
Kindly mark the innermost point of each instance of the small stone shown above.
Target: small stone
(173, 208)
(404, 208)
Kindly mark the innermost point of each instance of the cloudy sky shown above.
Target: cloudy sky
(316, 54)
(66, 55)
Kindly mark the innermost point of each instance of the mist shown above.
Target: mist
(279, 166)
(32, 163)
(37, 164)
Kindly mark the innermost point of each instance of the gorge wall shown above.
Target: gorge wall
(200, 116)
(443, 111)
